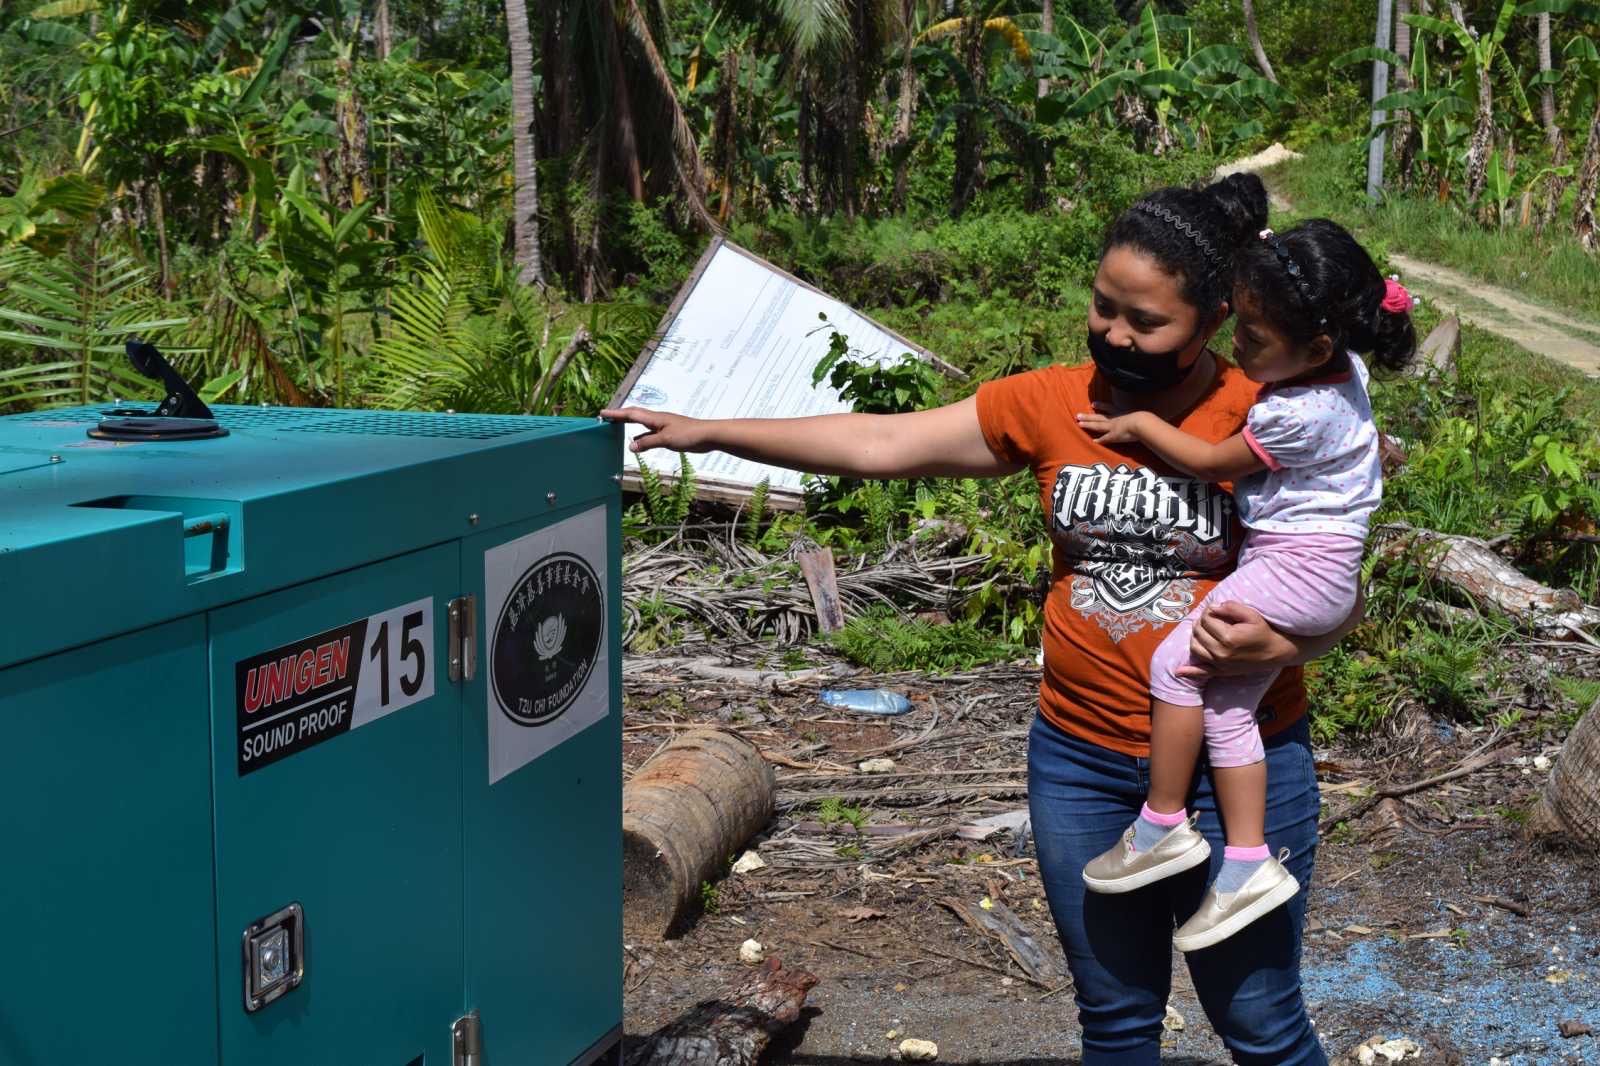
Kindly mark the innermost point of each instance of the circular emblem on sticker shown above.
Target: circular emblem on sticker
(547, 638)
(647, 396)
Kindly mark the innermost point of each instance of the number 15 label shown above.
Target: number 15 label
(397, 662)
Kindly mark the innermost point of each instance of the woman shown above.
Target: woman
(1136, 545)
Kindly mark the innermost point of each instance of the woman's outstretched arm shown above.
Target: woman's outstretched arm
(942, 442)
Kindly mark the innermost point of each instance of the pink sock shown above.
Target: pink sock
(1168, 820)
(1256, 854)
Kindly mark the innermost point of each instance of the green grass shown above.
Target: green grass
(833, 809)
(884, 643)
(1329, 182)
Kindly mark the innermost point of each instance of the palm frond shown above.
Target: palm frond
(85, 303)
(814, 26)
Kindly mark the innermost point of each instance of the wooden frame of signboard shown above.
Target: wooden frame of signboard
(720, 489)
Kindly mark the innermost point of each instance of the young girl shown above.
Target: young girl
(1306, 480)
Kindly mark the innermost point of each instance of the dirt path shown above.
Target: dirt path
(1541, 330)
(1538, 329)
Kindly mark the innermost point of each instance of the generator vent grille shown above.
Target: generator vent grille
(351, 423)
(384, 423)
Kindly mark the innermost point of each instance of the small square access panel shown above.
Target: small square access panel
(274, 956)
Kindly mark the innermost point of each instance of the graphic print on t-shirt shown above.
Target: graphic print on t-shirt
(1134, 540)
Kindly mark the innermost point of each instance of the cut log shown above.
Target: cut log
(1472, 568)
(1439, 350)
(732, 1030)
(1570, 806)
(694, 804)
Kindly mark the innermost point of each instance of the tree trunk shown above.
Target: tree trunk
(627, 141)
(382, 31)
(1438, 353)
(686, 153)
(525, 194)
(1547, 95)
(683, 813)
(1047, 23)
(1583, 217)
(1405, 130)
(157, 203)
(1482, 576)
(969, 124)
(355, 178)
(1483, 128)
(725, 134)
(1254, 34)
(1570, 807)
(1380, 89)
(733, 1029)
(907, 110)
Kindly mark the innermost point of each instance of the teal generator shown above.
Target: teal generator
(311, 739)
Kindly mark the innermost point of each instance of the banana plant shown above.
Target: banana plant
(1481, 52)
(1504, 186)
(1173, 94)
(1433, 109)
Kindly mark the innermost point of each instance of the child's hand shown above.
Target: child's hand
(1108, 429)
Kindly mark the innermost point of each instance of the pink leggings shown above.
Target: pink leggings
(1303, 584)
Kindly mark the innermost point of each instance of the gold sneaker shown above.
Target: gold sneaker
(1122, 869)
(1223, 914)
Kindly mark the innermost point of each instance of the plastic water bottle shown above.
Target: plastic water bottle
(867, 700)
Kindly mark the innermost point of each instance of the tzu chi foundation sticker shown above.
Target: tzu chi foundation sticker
(547, 643)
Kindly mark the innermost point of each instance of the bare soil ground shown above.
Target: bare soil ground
(1431, 918)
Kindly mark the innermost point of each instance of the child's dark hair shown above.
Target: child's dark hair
(1195, 234)
(1316, 279)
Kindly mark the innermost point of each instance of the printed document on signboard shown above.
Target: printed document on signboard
(744, 345)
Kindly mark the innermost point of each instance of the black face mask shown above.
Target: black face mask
(1134, 370)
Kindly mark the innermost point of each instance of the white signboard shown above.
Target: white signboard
(546, 639)
(742, 342)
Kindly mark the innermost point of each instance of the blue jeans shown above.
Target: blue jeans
(1119, 947)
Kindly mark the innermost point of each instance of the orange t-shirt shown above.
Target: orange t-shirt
(1137, 545)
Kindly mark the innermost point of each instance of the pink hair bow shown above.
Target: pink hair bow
(1396, 299)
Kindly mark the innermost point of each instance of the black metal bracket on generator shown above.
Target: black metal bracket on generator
(182, 415)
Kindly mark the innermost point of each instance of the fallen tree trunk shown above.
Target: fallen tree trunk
(691, 806)
(1471, 567)
(1570, 806)
(733, 1030)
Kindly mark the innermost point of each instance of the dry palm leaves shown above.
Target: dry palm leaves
(732, 590)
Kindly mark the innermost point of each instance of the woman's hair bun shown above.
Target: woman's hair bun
(1242, 200)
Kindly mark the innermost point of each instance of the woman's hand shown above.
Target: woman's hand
(680, 433)
(1232, 638)
(1112, 429)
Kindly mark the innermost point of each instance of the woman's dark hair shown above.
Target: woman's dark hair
(1316, 279)
(1194, 234)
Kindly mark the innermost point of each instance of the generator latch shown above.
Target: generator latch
(182, 415)
(466, 1040)
(274, 956)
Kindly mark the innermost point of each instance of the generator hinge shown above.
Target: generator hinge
(463, 638)
(466, 1040)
